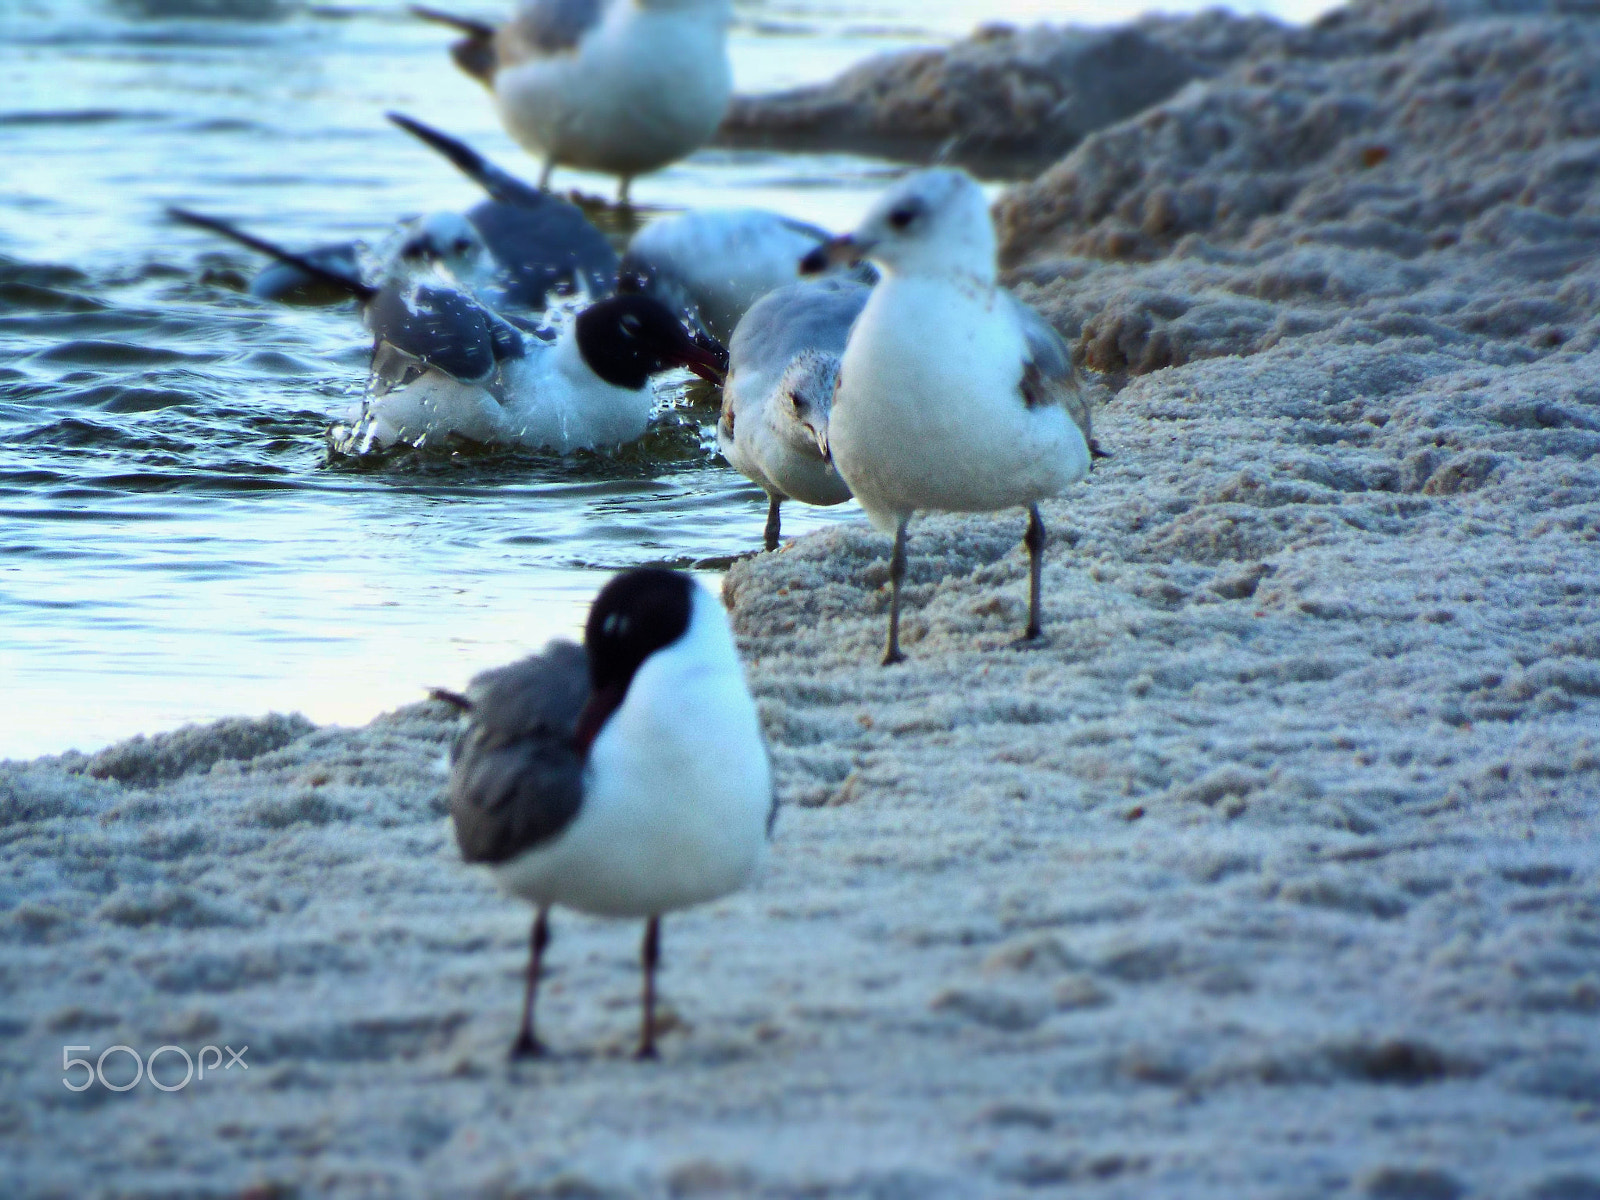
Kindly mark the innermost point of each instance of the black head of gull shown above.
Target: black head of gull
(626, 777)
(626, 339)
(634, 615)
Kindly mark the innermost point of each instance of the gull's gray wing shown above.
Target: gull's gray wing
(288, 283)
(549, 26)
(540, 243)
(1048, 376)
(516, 779)
(814, 314)
(437, 327)
(813, 317)
(544, 248)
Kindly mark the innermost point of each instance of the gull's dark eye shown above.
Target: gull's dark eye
(413, 250)
(902, 217)
(462, 245)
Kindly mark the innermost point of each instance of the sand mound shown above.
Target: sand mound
(1409, 174)
(1006, 101)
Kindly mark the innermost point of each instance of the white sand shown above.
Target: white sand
(1277, 873)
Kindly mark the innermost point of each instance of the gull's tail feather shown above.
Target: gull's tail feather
(501, 185)
(475, 53)
(361, 291)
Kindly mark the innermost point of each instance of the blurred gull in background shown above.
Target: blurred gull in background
(622, 87)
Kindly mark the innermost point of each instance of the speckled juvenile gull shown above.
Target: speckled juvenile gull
(626, 777)
(623, 87)
(783, 366)
(953, 395)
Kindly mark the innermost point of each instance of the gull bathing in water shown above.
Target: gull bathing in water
(953, 395)
(445, 366)
(622, 87)
(625, 777)
(540, 245)
(783, 366)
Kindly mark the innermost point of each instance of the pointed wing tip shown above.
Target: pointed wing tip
(454, 699)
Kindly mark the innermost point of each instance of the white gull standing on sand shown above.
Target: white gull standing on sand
(953, 395)
(623, 87)
(783, 366)
(625, 778)
(446, 367)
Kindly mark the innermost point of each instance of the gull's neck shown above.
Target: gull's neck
(969, 260)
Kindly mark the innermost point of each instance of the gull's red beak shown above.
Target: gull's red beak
(705, 357)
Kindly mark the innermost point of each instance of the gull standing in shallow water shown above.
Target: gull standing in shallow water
(953, 395)
(623, 87)
(626, 777)
(783, 366)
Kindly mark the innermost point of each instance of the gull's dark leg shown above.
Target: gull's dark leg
(544, 175)
(527, 1045)
(897, 574)
(650, 956)
(1034, 540)
(772, 522)
(622, 192)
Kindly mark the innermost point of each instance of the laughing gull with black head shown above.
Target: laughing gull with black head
(953, 395)
(783, 366)
(626, 777)
(622, 87)
(445, 367)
